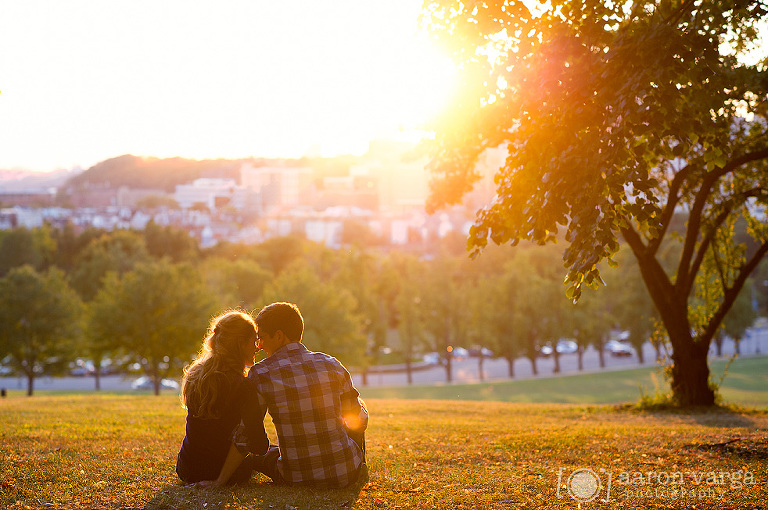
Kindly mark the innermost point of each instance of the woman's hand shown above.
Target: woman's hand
(208, 484)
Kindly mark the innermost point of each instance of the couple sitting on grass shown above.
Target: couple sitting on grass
(318, 415)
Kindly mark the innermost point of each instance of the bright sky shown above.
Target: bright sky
(85, 80)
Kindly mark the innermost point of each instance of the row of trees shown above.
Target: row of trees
(144, 298)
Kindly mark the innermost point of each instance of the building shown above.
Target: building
(212, 193)
(274, 189)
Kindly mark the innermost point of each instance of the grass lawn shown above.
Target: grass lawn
(118, 452)
(746, 384)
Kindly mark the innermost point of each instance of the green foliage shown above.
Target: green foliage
(22, 246)
(39, 322)
(117, 251)
(156, 314)
(171, 242)
(238, 284)
(331, 324)
(157, 202)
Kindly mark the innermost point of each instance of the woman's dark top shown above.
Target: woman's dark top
(207, 441)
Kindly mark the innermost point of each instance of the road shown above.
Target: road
(464, 371)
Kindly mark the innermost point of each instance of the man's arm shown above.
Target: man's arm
(353, 409)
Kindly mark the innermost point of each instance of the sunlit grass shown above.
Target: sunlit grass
(113, 451)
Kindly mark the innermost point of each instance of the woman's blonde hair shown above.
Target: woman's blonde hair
(221, 360)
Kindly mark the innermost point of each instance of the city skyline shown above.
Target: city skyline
(87, 81)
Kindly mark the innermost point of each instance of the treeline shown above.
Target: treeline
(144, 299)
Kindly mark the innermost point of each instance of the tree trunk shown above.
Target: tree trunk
(448, 367)
(719, 345)
(556, 355)
(601, 356)
(97, 376)
(511, 365)
(365, 376)
(480, 373)
(409, 370)
(690, 373)
(639, 350)
(30, 383)
(533, 364)
(580, 354)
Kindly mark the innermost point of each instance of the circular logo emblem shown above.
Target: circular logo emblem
(584, 485)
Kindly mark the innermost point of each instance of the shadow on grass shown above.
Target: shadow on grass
(260, 492)
(721, 416)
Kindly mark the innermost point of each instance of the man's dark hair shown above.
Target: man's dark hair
(284, 317)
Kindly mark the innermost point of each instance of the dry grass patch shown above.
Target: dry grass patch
(119, 452)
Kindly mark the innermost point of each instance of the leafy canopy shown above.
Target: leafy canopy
(614, 116)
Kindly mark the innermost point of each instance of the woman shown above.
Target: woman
(217, 396)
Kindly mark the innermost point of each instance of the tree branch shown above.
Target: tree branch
(732, 293)
(656, 280)
(694, 221)
(720, 271)
(669, 209)
(728, 208)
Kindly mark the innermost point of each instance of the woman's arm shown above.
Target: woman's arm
(232, 462)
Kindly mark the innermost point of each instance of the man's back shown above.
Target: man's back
(310, 396)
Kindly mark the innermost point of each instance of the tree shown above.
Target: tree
(39, 321)
(171, 242)
(614, 116)
(591, 321)
(445, 308)
(410, 319)
(156, 314)
(330, 322)
(739, 318)
(23, 246)
(238, 283)
(116, 251)
(630, 305)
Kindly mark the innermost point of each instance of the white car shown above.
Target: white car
(145, 383)
(564, 346)
(460, 353)
(618, 349)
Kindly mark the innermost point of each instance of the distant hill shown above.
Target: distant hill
(153, 173)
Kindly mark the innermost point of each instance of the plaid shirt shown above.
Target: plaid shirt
(313, 403)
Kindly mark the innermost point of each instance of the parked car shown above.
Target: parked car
(460, 353)
(618, 348)
(433, 358)
(564, 346)
(145, 383)
(476, 352)
(81, 367)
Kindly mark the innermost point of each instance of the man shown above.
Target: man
(318, 415)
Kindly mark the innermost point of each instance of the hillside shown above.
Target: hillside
(165, 173)
(152, 173)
